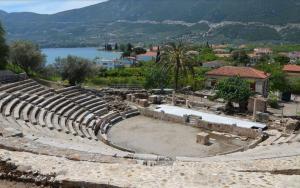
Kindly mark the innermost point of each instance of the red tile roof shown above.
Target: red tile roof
(291, 68)
(151, 54)
(244, 72)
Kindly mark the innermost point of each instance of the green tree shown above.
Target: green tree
(234, 89)
(74, 69)
(156, 77)
(240, 57)
(278, 79)
(3, 49)
(27, 56)
(175, 59)
(283, 60)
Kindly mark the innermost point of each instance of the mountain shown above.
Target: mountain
(151, 21)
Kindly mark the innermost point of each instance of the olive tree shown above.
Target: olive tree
(234, 89)
(27, 56)
(74, 69)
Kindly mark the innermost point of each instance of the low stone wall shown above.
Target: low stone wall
(197, 122)
(51, 84)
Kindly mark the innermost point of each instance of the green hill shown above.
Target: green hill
(161, 20)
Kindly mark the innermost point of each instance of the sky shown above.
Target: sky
(44, 6)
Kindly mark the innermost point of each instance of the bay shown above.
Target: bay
(88, 53)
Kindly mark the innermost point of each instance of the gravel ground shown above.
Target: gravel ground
(147, 135)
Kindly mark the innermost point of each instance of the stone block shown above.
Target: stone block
(143, 102)
(128, 97)
(261, 104)
(203, 138)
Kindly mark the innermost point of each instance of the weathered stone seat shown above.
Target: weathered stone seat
(66, 89)
(64, 109)
(38, 100)
(93, 105)
(26, 112)
(77, 129)
(10, 105)
(55, 102)
(82, 115)
(82, 96)
(62, 123)
(55, 121)
(86, 103)
(34, 115)
(71, 128)
(74, 94)
(5, 100)
(34, 91)
(46, 92)
(92, 134)
(71, 111)
(49, 100)
(18, 109)
(85, 99)
(41, 117)
(59, 106)
(20, 87)
(76, 113)
(8, 86)
(98, 107)
(87, 119)
(101, 111)
(33, 87)
(31, 98)
(91, 124)
(49, 124)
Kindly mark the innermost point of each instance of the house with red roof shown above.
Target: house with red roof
(259, 80)
(292, 70)
(148, 56)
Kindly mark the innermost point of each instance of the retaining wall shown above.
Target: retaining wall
(197, 122)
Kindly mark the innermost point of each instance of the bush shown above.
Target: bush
(273, 101)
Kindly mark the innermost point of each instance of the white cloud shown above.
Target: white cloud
(44, 7)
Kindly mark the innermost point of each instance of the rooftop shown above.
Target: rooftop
(291, 68)
(245, 72)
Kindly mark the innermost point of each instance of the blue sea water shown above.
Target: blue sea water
(88, 53)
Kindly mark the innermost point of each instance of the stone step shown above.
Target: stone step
(5, 100)
(279, 140)
(8, 86)
(41, 117)
(101, 112)
(78, 129)
(85, 99)
(55, 121)
(99, 103)
(55, 102)
(59, 106)
(33, 115)
(49, 100)
(62, 123)
(31, 98)
(34, 91)
(80, 117)
(49, 116)
(92, 134)
(28, 89)
(71, 128)
(66, 89)
(10, 105)
(26, 112)
(87, 119)
(92, 101)
(71, 111)
(17, 110)
(296, 138)
(65, 109)
(20, 87)
(38, 100)
(74, 94)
